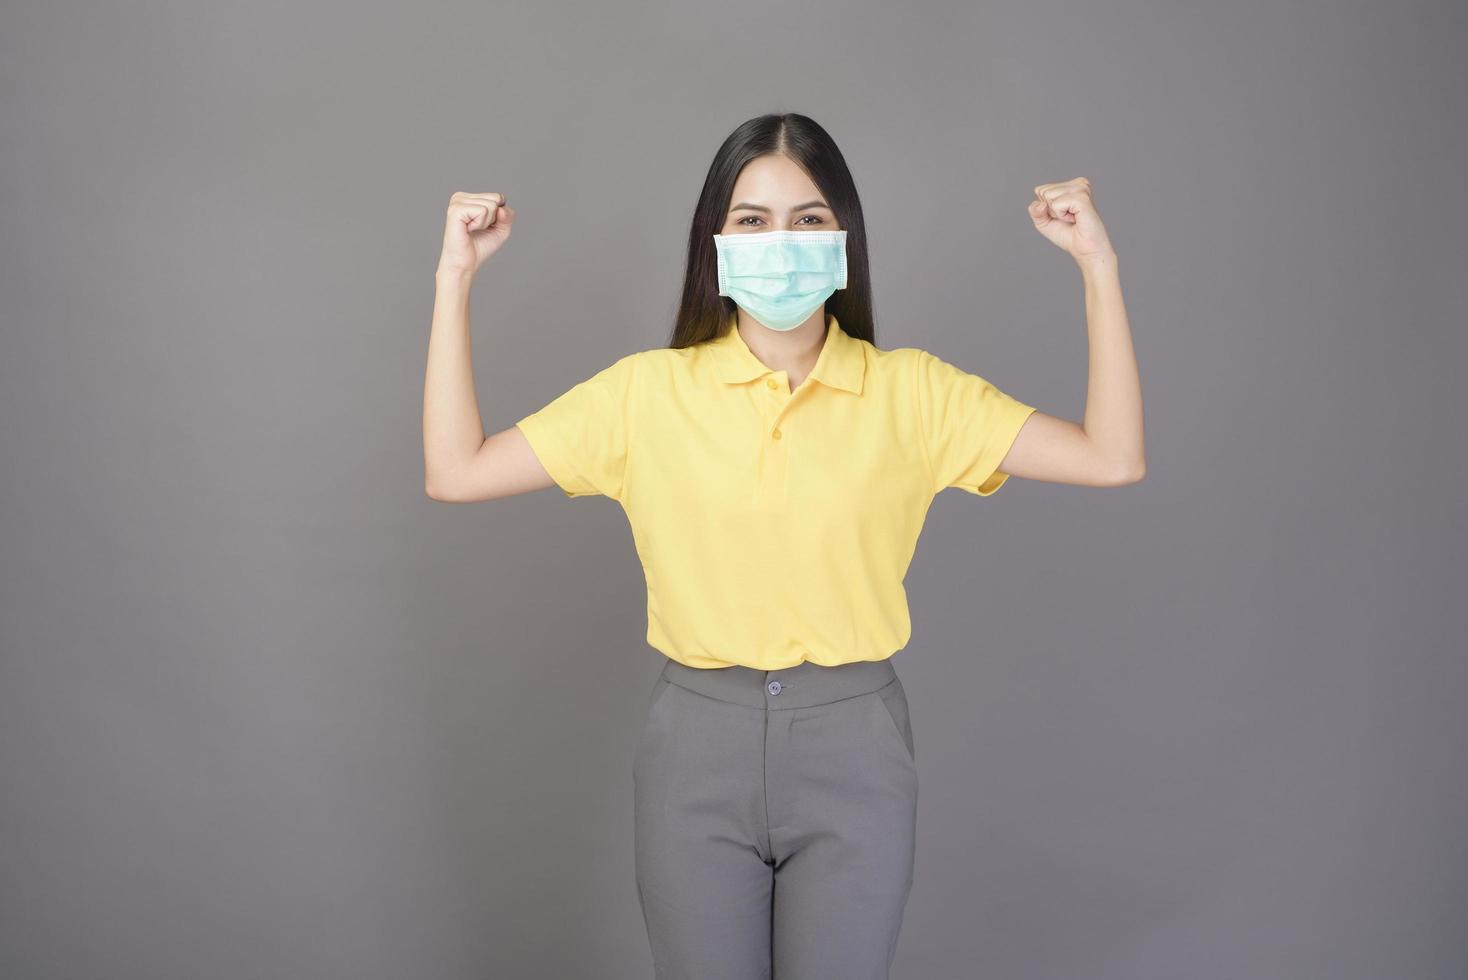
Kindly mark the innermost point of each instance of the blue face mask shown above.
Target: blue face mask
(781, 277)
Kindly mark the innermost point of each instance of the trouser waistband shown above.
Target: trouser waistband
(800, 686)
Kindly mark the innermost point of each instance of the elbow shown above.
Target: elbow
(1120, 472)
(1131, 473)
(435, 489)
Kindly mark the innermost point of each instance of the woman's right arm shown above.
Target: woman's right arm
(460, 465)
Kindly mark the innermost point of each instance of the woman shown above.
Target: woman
(776, 467)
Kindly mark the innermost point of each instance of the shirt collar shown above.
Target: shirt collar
(841, 363)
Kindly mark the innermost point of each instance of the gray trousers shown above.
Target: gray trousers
(775, 816)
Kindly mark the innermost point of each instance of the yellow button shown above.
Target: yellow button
(771, 383)
(776, 433)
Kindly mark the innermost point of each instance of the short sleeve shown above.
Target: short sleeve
(582, 437)
(967, 425)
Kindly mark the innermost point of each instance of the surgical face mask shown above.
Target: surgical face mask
(781, 277)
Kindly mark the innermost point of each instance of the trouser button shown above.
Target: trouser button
(774, 687)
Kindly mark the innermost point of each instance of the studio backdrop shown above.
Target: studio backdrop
(269, 710)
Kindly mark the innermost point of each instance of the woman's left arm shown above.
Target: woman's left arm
(1107, 448)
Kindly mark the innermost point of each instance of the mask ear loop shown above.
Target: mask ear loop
(723, 269)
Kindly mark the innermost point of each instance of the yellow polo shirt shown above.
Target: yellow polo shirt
(776, 526)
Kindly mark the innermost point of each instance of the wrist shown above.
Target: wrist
(1097, 262)
(446, 276)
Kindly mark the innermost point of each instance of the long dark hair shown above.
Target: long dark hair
(702, 313)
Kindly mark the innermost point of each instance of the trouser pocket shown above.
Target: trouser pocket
(893, 700)
(659, 692)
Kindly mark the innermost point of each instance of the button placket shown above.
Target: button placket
(771, 490)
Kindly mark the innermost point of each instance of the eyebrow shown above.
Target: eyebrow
(799, 207)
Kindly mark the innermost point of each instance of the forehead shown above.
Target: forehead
(774, 179)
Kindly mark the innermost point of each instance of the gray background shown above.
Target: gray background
(268, 711)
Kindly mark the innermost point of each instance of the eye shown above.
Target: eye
(815, 220)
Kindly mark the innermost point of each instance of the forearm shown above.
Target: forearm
(1113, 417)
(452, 428)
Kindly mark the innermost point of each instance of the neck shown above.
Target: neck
(792, 351)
